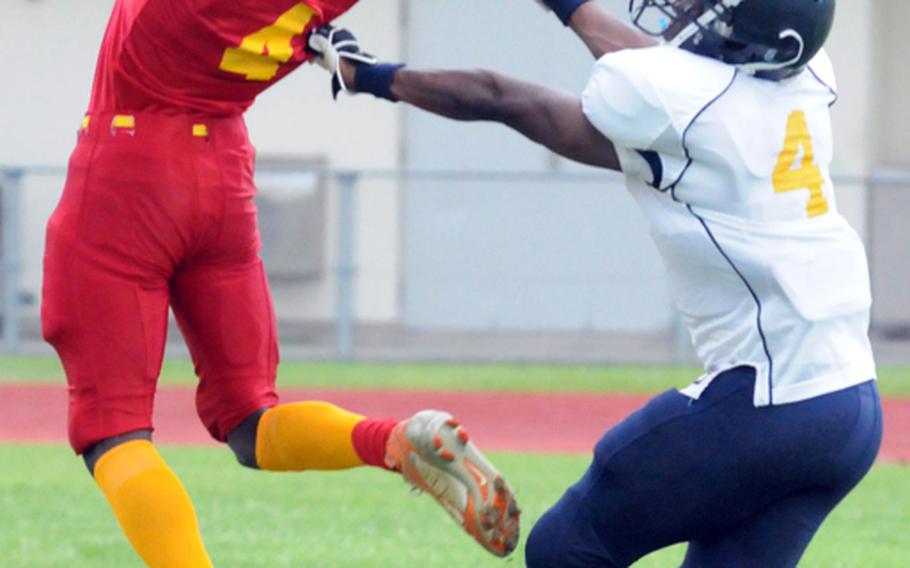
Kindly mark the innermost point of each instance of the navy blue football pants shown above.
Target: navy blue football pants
(744, 486)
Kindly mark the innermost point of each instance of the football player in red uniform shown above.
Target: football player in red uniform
(158, 212)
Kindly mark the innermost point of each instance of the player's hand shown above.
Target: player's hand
(339, 53)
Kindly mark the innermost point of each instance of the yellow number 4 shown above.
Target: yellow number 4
(261, 53)
(808, 176)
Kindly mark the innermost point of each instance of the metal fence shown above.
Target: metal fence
(339, 332)
(10, 215)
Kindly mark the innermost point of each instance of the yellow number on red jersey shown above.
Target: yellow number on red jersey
(808, 175)
(261, 53)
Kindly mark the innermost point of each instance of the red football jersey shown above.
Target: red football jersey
(207, 57)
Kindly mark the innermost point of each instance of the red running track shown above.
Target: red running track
(522, 422)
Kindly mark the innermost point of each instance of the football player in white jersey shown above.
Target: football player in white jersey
(717, 113)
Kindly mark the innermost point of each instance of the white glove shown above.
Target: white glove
(329, 46)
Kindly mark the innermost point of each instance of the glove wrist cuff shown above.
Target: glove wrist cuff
(377, 80)
(564, 8)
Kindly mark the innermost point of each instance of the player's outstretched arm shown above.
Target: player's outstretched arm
(546, 116)
(600, 32)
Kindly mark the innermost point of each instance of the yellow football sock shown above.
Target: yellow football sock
(152, 506)
(306, 436)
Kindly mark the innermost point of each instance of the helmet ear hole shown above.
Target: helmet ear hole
(792, 46)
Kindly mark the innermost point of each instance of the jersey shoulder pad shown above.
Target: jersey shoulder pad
(636, 96)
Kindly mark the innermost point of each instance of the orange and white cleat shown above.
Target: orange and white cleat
(435, 455)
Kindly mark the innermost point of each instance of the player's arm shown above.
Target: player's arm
(600, 32)
(546, 116)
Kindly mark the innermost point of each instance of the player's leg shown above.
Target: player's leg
(681, 470)
(222, 302)
(104, 309)
(778, 536)
(616, 485)
(225, 313)
(226, 316)
(151, 505)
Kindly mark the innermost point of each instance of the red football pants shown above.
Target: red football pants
(158, 211)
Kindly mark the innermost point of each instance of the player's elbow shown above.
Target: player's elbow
(488, 102)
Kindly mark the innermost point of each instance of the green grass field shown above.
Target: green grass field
(52, 515)
(893, 381)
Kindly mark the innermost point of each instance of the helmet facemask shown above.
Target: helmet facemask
(669, 19)
(711, 28)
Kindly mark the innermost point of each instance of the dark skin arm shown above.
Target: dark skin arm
(551, 118)
(602, 33)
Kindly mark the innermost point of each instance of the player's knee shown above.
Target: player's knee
(93, 453)
(555, 542)
(242, 440)
(246, 455)
(546, 545)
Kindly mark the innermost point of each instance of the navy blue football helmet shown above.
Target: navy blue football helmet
(771, 39)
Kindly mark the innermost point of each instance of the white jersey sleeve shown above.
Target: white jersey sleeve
(623, 105)
(645, 100)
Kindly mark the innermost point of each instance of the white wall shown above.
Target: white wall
(46, 90)
(517, 253)
(852, 50)
(891, 77)
(890, 233)
(298, 118)
(47, 77)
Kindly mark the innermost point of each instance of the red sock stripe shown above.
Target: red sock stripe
(369, 439)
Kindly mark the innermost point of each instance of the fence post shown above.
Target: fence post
(10, 187)
(344, 330)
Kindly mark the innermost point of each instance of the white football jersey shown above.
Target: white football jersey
(732, 172)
